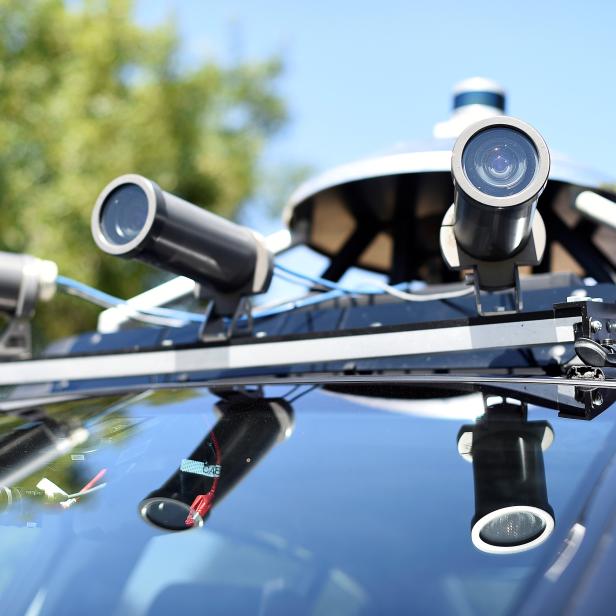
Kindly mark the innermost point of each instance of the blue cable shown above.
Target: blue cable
(84, 291)
(300, 303)
(336, 290)
(100, 297)
(328, 284)
(106, 300)
(323, 282)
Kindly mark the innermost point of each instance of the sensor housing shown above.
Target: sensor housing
(134, 218)
(512, 512)
(500, 167)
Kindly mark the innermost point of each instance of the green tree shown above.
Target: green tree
(87, 94)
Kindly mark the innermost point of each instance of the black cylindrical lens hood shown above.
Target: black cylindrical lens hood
(508, 468)
(246, 431)
(25, 450)
(23, 281)
(489, 227)
(510, 484)
(154, 226)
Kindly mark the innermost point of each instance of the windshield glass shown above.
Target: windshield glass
(297, 501)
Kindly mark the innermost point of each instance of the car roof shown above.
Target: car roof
(367, 505)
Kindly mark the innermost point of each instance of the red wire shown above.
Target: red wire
(94, 479)
(203, 502)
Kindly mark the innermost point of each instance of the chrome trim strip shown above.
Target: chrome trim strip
(315, 350)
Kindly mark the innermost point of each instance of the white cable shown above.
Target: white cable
(421, 297)
(100, 486)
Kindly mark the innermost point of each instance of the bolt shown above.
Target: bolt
(611, 326)
(596, 326)
(349, 368)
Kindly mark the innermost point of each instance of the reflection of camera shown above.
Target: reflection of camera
(247, 430)
(28, 449)
(512, 513)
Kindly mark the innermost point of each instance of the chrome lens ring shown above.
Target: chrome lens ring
(523, 143)
(527, 541)
(124, 214)
(168, 514)
(500, 161)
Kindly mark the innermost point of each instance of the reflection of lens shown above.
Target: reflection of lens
(167, 513)
(513, 528)
(124, 214)
(500, 161)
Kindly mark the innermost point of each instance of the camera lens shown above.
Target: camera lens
(167, 513)
(514, 528)
(500, 161)
(124, 214)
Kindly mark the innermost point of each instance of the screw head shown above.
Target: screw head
(597, 398)
(596, 326)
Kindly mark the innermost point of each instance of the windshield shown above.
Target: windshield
(319, 502)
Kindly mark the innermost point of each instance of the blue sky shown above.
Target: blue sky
(362, 76)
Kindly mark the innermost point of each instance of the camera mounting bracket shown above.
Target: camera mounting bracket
(233, 309)
(16, 339)
(490, 276)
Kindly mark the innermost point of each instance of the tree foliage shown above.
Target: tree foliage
(87, 94)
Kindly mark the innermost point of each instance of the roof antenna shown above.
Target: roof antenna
(474, 99)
